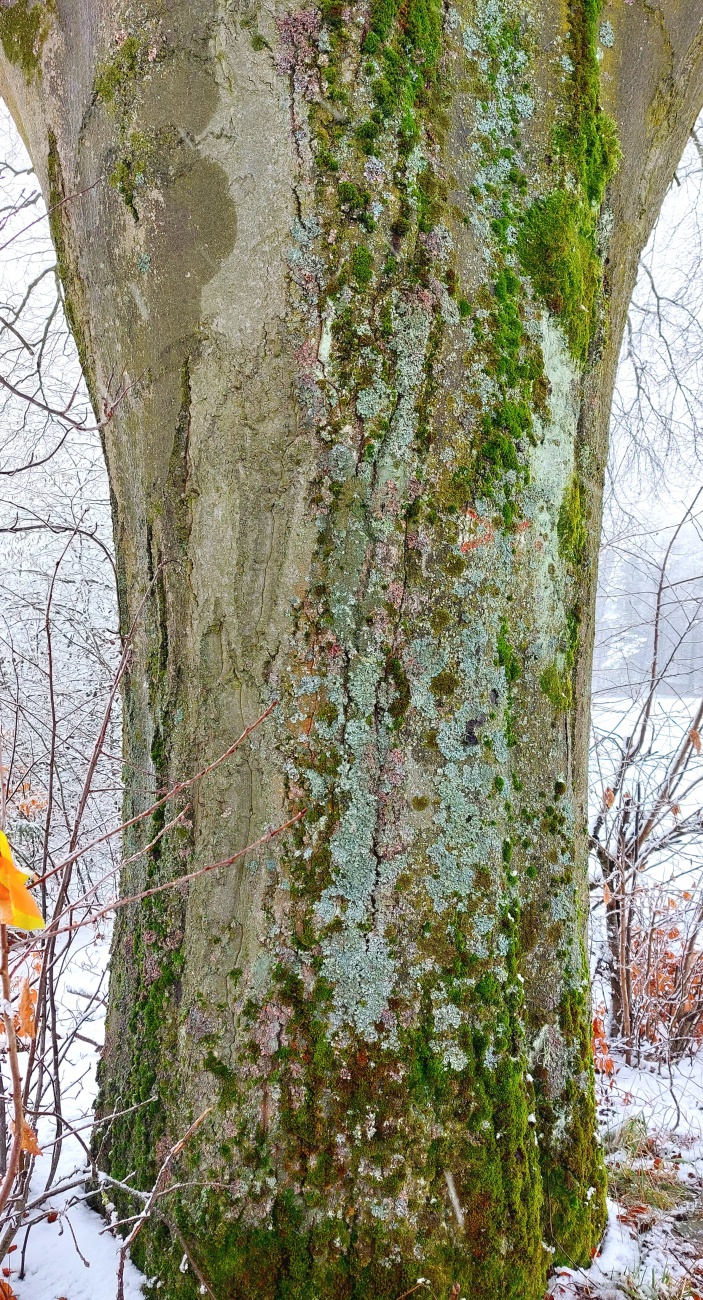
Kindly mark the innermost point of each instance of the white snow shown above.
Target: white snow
(75, 1257)
(71, 1260)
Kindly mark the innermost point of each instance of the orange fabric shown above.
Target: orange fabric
(17, 907)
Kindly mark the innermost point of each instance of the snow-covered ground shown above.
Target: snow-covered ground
(73, 1257)
(651, 1123)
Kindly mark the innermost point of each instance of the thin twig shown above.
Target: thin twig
(148, 1208)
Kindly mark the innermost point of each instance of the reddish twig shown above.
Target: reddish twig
(9, 1020)
(178, 880)
(146, 1212)
(175, 790)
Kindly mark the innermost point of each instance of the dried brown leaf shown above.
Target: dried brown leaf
(25, 1010)
(29, 1140)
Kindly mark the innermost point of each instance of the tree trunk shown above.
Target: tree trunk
(336, 278)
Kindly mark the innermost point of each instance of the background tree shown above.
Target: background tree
(59, 649)
(645, 805)
(335, 278)
(646, 825)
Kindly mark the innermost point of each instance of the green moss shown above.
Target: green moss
(150, 938)
(558, 241)
(397, 675)
(326, 159)
(362, 265)
(229, 1086)
(571, 526)
(300, 1252)
(444, 684)
(151, 948)
(516, 362)
(23, 29)
(355, 203)
(508, 658)
(131, 170)
(587, 139)
(381, 20)
(556, 681)
(509, 661)
(557, 685)
(575, 1183)
(405, 42)
(558, 250)
(114, 79)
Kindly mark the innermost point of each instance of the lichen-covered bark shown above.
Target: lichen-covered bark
(337, 279)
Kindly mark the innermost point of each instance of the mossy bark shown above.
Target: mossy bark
(348, 285)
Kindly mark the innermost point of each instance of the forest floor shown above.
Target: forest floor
(651, 1122)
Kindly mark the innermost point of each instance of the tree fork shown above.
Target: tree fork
(358, 276)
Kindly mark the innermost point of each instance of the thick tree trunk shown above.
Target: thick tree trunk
(336, 278)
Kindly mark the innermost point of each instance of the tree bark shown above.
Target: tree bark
(348, 286)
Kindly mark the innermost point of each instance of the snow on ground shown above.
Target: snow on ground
(75, 1257)
(651, 1122)
(70, 1260)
